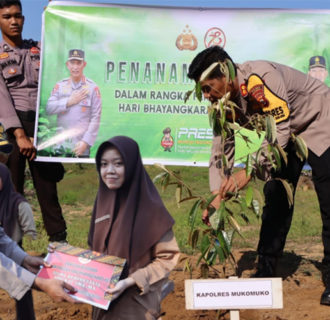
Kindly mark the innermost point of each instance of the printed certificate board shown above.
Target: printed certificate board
(90, 272)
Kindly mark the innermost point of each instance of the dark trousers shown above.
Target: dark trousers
(44, 176)
(277, 214)
(24, 306)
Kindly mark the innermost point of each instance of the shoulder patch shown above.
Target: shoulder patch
(97, 92)
(34, 50)
(268, 101)
(4, 55)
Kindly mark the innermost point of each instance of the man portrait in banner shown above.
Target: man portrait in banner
(77, 103)
(318, 68)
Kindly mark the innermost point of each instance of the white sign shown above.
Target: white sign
(234, 293)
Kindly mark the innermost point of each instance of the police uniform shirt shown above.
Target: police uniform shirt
(19, 70)
(299, 104)
(84, 116)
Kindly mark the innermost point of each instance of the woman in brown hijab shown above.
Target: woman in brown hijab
(130, 221)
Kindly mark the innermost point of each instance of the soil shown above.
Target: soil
(299, 268)
(302, 287)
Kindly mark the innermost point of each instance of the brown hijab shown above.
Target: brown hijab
(138, 217)
(9, 201)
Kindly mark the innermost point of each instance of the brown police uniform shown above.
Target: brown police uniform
(19, 70)
(300, 105)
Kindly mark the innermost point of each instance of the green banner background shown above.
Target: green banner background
(117, 39)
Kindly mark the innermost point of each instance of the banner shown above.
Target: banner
(134, 65)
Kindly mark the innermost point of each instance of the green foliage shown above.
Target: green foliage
(306, 225)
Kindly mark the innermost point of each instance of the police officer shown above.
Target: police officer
(318, 68)
(19, 67)
(77, 103)
(299, 105)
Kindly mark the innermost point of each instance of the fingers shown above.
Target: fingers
(205, 218)
(29, 152)
(51, 248)
(46, 264)
(69, 287)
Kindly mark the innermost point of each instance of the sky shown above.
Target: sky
(33, 9)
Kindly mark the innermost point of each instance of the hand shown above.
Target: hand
(33, 264)
(51, 247)
(214, 204)
(232, 184)
(80, 148)
(77, 96)
(120, 287)
(55, 289)
(24, 143)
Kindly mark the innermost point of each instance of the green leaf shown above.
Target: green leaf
(193, 213)
(277, 157)
(223, 243)
(208, 71)
(231, 69)
(194, 238)
(218, 216)
(43, 120)
(282, 153)
(198, 90)
(205, 245)
(248, 165)
(256, 207)
(270, 129)
(249, 196)
(221, 254)
(288, 190)
(224, 70)
(159, 176)
(187, 95)
(42, 128)
(301, 148)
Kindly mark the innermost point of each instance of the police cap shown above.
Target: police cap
(76, 54)
(317, 61)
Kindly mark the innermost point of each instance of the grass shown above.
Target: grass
(78, 189)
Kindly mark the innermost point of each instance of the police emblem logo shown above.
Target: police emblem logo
(257, 93)
(34, 50)
(186, 40)
(12, 71)
(4, 55)
(243, 89)
(214, 37)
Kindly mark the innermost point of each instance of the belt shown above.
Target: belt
(26, 115)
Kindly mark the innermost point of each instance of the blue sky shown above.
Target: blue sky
(32, 9)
